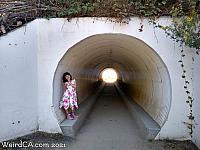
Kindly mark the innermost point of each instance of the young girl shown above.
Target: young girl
(69, 100)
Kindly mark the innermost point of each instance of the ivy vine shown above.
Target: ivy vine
(185, 29)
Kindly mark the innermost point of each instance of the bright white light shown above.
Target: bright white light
(109, 75)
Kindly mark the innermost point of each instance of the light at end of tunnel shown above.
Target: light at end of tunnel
(109, 75)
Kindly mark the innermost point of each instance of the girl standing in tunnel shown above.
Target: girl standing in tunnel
(69, 100)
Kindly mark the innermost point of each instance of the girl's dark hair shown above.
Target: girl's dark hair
(64, 79)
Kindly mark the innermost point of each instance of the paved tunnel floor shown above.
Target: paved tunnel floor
(110, 127)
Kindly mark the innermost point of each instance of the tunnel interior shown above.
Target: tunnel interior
(142, 74)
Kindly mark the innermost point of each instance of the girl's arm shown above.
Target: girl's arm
(73, 82)
(66, 85)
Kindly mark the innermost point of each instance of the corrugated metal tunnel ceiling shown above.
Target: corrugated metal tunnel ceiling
(138, 66)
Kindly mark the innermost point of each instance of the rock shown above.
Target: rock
(19, 23)
(3, 29)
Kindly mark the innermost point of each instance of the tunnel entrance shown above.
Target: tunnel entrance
(139, 67)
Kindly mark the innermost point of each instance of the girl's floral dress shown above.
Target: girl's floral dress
(69, 99)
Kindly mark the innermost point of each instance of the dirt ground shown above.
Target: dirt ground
(64, 142)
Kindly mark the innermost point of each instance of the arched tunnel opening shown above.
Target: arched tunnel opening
(142, 75)
(109, 75)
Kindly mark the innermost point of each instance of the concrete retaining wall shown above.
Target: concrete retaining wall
(18, 82)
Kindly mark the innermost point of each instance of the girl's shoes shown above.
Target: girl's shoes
(74, 116)
(70, 117)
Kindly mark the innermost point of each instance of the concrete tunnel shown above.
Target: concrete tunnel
(142, 74)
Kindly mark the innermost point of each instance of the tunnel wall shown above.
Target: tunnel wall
(18, 82)
(53, 38)
(152, 91)
(144, 72)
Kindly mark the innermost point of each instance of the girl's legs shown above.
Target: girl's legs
(68, 115)
(73, 114)
(67, 112)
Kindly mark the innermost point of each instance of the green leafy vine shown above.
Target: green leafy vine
(185, 29)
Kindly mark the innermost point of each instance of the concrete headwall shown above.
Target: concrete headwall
(47, 58)
(56, 36)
